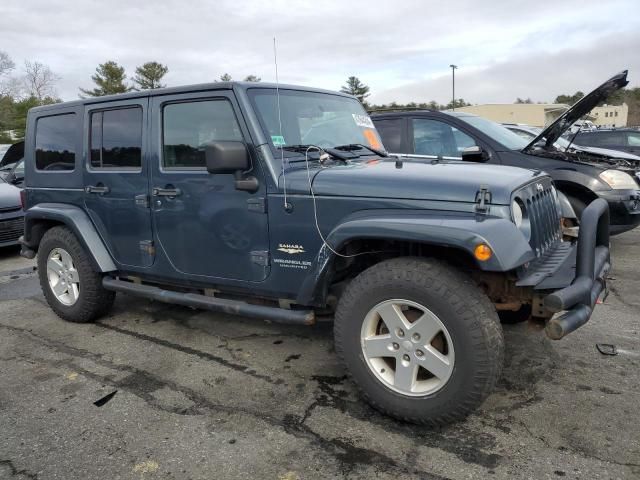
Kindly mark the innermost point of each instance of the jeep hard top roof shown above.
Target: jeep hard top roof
(202, 87)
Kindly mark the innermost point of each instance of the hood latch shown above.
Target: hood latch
(483, 199)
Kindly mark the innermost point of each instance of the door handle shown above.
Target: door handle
(166, 192)
(99, 189)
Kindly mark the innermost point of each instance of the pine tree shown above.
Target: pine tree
(110, 79)
(252, 78)
(149, 75)
(225, 77)
(356, 88)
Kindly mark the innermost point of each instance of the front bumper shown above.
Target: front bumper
(591, 267)
(11, 227)
(624, 209)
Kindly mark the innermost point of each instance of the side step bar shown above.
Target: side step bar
(233, 307)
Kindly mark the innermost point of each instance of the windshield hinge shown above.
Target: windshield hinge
(260, 257)
(258, 205)
(483, 199)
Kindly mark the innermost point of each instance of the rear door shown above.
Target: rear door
(116, 179)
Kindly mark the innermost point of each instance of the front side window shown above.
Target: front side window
(188, 128)
(439, 139)
(633, 139)
(56, 142)
(391, 133)
(312, 118)
(116, 139)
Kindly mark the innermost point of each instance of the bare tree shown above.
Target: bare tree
(39, 80)
(6, 64)
(7, 84)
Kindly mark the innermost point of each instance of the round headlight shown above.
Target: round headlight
(619, 180)
(518, 214)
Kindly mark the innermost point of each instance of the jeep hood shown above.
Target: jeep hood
(554, 131)
(450, 181)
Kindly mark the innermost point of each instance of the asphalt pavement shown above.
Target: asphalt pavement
(155, 391)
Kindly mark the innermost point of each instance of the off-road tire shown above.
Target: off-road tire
(462, 307)
(93, 300)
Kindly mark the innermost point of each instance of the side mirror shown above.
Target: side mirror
(226, 157)
(475, 154)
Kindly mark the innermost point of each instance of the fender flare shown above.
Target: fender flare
(509, 245)
(79, 223)
(565, 206)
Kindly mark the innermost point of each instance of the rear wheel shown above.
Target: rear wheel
(72, 288)
(420, 340)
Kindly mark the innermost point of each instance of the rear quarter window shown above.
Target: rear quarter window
(56, 142)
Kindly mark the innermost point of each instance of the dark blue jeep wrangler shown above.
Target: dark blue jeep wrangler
(281, 203)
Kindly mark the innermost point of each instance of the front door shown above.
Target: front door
(116, 179)
(203, 224)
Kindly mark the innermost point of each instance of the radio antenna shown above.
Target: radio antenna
(287, 207)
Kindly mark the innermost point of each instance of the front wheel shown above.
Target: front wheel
(420, 340)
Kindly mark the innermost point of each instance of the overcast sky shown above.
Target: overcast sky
(402, 49)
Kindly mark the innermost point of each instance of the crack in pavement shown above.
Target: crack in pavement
(192, 351)
(14, 472)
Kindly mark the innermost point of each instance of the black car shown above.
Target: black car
(277, 202)
(582, 177)
(623, 139)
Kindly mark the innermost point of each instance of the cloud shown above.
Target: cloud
(400, 48)
(540, 76)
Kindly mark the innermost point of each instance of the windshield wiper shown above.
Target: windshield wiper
(303, 149)
(360, 146)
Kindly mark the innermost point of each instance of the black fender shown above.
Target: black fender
(565, 206)
(509, 246)
(577, 180)
(79, 223)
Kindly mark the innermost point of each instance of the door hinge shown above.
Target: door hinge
(258, 205)
(148, 247)
(142, 200)
(483, 199)
(260, 257)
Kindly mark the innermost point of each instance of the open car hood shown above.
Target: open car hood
(578, 110)
(14, 154)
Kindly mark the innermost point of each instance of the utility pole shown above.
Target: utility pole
(453, 85)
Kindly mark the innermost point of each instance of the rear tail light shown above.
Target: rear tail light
(23, 199)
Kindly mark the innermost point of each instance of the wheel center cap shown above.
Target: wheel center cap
(407, 345)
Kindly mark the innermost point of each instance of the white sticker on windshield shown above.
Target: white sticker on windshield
(362, 120)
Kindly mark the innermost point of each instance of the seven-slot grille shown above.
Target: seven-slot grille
(11, 229)
(542, 211)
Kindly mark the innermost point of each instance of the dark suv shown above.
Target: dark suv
(581, 176)
(623, 139)
(279, 203)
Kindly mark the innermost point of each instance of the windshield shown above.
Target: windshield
(310, 118)
(533, 132)
(496, 131)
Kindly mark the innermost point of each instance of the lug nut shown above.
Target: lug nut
(400, 332)
(396, 346)
(406, 358)
(419, 353)
(416, 337)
